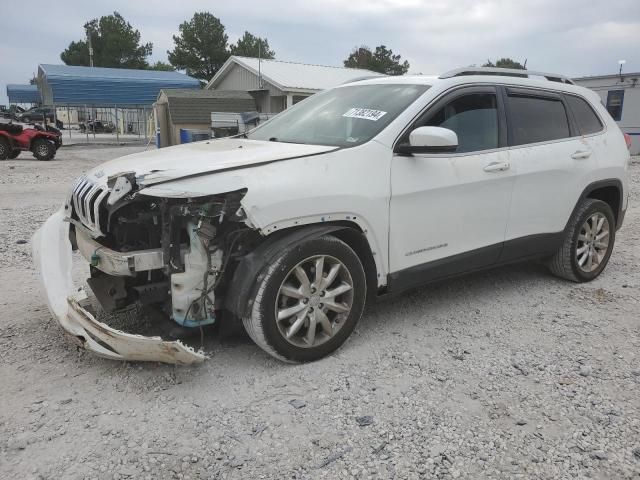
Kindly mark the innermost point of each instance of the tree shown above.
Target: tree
(505, 63)
(115, 44)
(251, 46)
(381, 60)
(162, 66)
(201, 46)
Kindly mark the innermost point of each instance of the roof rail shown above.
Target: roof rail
(507, 72)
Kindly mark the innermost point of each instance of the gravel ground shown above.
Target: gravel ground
(509, 373)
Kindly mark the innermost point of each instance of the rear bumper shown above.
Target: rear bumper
(52, 256)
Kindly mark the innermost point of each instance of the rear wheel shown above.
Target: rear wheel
(5, 149)
(308, 301)
(14, 153)
(588, 242)
(43, 149)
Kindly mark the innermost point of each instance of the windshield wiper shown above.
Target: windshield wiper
(273, 139)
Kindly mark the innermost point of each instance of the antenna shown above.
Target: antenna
(621, 62)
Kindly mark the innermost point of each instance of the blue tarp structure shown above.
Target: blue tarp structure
(23, 93)
(96, 86)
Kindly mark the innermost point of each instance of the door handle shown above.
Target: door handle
(497, 167)
(580, 154)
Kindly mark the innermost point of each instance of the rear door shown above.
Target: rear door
(549, 158)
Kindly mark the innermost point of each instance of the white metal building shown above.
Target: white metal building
(277, 85)
(620, 93)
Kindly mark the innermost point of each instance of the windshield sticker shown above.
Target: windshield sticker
(365, 114)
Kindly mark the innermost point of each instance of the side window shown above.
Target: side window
(474, 118)
(588, 121)
(537, 119)
(615, 99)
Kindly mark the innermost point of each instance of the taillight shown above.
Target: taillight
(627, 139)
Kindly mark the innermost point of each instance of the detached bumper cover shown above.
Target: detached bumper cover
(53, 258)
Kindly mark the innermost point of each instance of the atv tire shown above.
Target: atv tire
(5, 149)
(43, 149)
(14, 154)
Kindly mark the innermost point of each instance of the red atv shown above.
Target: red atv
(43, 142)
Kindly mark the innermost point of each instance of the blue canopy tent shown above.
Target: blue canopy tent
(23, 93)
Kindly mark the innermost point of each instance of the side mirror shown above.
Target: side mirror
(430, 140)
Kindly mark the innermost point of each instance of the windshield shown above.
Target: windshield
(344, 117)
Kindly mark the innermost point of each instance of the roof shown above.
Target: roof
(289, 76)
(195, 106)
(75, 85)
(445, 83)
(612, 75)
(23, 93)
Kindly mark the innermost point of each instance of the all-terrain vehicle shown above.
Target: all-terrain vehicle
(43, 142)
(98, 126)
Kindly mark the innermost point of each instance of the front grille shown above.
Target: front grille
(87, 197)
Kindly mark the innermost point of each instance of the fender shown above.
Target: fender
(249, 272)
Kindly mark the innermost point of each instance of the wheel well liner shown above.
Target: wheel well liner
(249, 272)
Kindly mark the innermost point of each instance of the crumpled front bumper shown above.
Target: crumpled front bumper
(52, 255)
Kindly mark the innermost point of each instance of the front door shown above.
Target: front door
(449, 211)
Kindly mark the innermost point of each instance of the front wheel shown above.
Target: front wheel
(308, 301)
(43, 149)
(14, 154)
(587, 244)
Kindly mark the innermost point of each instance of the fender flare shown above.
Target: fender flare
(609, 182)
(249, 272)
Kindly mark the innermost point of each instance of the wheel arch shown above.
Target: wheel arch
(609, 191)
(247, 275)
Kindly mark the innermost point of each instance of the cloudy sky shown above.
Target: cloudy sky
(574, 37)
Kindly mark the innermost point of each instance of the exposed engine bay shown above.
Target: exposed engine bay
(169, 253)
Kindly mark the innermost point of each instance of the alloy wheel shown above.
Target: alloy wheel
(314, 300)
(593, 242)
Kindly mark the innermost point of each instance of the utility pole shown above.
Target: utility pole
(259, 64)
(90, 47)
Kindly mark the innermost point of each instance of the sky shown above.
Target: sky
(572, 37)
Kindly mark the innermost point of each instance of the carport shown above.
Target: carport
(119, 95)
(23, 94)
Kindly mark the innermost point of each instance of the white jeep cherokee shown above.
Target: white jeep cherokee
(366, 189)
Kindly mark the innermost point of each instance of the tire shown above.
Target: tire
(316, 310)
(579, 243)
(43, 149)
(14, 154)
(5, 149)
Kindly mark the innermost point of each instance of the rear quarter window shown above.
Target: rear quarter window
(587, 120)
(537, 119)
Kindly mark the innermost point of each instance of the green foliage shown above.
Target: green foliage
(115, 44)
(201, 46)
(162, 66)
(505, 63)
(381, 60)
(251, 46)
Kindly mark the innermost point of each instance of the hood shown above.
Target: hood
(166, 164)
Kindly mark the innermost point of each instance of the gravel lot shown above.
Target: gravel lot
(509, 373)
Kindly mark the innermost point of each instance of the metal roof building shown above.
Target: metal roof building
(620, 94)
(23, 93)
(96, 86)
(277, 85)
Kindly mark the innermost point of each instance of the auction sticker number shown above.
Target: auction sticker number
(365, 114)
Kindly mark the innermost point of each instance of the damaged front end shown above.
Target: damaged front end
(168, 254)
